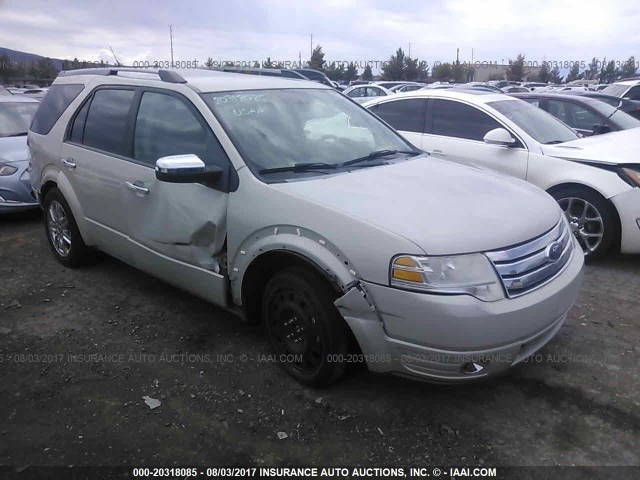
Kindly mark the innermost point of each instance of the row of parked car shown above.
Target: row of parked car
(33, 91)
(438, 233)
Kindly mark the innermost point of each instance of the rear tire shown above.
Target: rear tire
(592, 218)
(62, 232)
(305, 329)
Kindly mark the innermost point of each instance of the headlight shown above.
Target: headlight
(630, 175)
(6, 170)
(470, 274)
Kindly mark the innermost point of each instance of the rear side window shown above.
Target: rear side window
(405, 115)
(375, 92)
(77, 129)
(106, 124)
(55, 102)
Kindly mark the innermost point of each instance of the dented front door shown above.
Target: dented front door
(177, 232)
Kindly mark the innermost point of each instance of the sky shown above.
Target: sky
(347, 30)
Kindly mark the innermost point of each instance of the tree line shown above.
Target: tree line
(399, 66)
(602, 71)
(42, 69)
(402, 67)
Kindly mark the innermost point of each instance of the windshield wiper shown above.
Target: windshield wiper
(17, 134)
(553, 142)
(300, 167)
(601, 126)
(378, 154)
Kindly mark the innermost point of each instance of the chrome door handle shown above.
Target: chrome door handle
(68, 162)
(137, 188)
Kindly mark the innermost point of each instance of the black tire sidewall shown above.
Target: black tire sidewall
(334, 336)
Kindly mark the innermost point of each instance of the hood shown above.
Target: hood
(610, 148)
(443, 207)
(13, 149)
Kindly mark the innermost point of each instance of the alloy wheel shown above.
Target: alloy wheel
(585, 221)
(58, 227)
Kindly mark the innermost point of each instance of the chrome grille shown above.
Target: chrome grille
(525, 267)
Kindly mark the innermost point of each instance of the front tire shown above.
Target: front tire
(592, 219)
(62, 232)
(305, 329)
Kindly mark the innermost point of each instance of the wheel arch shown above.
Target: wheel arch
(276, 248)
(54, 178)
(265, 267)
(616, 215)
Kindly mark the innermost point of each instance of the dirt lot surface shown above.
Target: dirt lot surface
(80, 348)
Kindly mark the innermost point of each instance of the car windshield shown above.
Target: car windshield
(618, 117)
(538, 124)
(278, 129)
(615, 89)
(15, 117)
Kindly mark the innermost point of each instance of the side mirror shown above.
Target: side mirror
(185, 169)
(500, 137)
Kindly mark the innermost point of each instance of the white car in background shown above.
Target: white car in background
(362, 93)
(37, 93)
(574, 88)
(629, 89)
(407, 87)
(595, 180)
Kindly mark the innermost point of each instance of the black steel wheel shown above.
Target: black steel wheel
(308, 334)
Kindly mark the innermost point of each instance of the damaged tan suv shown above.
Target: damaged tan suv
(291, 205)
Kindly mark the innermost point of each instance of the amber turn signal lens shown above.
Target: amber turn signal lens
(407, 275)
(404, 262)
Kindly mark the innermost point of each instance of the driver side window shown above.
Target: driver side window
(165, 126)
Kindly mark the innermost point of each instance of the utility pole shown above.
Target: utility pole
(171, 42)
(311, 49)
(457, 56)
(409, 49)
(114, 56)
(300, 59)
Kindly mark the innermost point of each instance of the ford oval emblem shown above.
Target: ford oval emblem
(553, 251)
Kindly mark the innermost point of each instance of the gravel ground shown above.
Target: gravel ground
(80, 348)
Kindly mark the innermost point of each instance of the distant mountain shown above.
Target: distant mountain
(16, 56)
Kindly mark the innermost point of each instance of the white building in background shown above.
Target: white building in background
(485, 71)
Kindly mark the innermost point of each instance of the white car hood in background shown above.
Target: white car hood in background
(443, 207)
(610, 148)
(13, 149)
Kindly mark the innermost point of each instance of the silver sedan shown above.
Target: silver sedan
(16, 113)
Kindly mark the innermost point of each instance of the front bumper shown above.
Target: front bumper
(628, 206)
(15, 190)
(456, 338)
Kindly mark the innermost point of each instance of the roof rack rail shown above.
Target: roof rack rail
(627, 79)
(165, 75)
